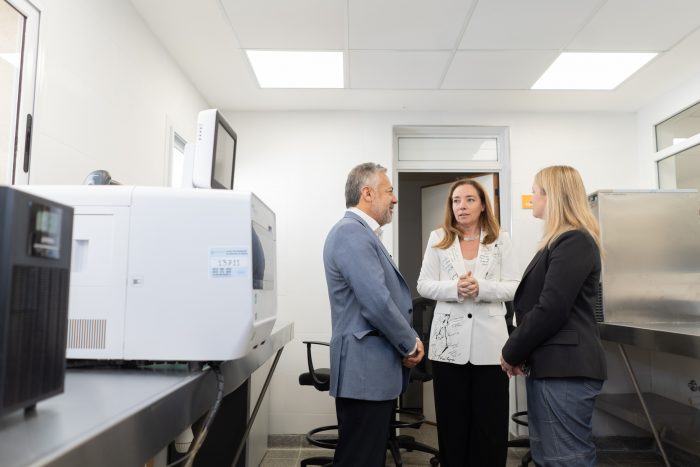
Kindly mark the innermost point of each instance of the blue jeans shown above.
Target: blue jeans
(559, 413)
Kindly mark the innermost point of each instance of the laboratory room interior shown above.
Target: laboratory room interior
(170, 170)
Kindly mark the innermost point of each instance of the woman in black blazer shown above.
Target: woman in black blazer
(556, 342)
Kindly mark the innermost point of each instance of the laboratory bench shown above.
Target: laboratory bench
(116, 417)
(675, 338)
(669, 421)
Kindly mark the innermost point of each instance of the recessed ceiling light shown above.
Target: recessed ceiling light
(596, 70)
(297, 69)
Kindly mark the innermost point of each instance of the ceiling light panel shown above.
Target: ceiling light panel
(594, 71)
(297, 69)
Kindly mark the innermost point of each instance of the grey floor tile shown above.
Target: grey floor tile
(284, 441)
(279, 462)
(282, 454)
(414, 457)
(288, 451)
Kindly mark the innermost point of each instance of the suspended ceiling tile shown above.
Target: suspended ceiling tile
(281, 24)
(381, 69)
(406, 24)
(532, 24)
(198, 36)
(638, 25)
(497, 69)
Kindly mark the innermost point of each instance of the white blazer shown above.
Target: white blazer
(468, 330)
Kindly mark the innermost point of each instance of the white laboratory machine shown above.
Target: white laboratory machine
(166, 274)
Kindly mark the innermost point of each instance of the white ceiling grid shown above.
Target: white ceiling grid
(476, 50)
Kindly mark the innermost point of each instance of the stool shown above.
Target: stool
(520, 418)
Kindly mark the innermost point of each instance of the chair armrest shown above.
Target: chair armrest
(316, 343)
(312, 371)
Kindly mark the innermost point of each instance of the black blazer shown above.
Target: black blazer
(556, 333)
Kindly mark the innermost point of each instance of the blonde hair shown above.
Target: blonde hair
(487, 221)
(567, 204)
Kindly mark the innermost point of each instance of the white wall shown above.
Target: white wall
(297, 163)
(105, 94)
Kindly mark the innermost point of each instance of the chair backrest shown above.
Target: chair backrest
(510, 313)
(423, 309)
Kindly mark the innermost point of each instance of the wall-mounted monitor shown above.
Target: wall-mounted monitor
(215, 152)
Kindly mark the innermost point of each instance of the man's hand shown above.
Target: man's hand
(415, 358)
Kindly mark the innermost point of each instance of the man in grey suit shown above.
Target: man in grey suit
(373, 345)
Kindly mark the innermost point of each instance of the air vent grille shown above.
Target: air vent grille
(87, 333)
(36, 334)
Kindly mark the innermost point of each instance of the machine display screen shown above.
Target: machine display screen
(45, 231)
(224, 157)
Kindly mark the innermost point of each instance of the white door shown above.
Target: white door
(19, 39)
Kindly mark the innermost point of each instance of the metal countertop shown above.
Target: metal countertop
(121, 417)
(675, 338)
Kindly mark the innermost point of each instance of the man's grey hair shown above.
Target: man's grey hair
(361, 176)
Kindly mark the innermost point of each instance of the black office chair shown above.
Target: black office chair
(320, 379)
(423, 309)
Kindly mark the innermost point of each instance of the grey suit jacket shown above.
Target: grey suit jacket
(370, 313)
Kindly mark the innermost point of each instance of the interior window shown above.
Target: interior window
(681, 170)
(678, 128)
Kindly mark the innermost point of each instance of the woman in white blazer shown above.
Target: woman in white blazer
(469, 269)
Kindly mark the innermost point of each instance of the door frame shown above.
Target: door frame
(501, 166)
(23, 133)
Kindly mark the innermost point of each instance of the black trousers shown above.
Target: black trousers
(363, 432)
(471, 405)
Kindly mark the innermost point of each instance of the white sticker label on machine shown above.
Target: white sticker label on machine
(228, 261)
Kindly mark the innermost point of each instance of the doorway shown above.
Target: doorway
(421, 206)
(422, 198)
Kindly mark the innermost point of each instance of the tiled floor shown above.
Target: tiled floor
(287, 451)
